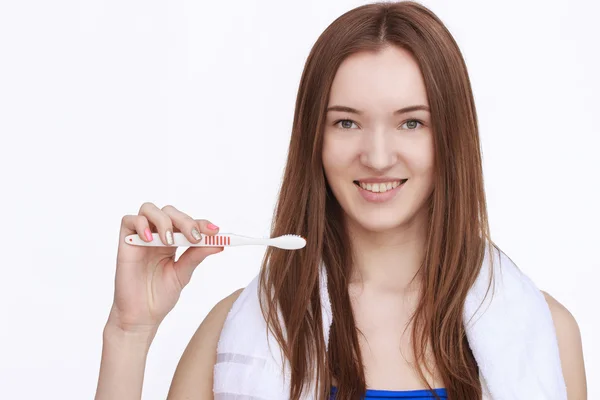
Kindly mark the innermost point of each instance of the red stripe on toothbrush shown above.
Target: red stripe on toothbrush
(228, 239)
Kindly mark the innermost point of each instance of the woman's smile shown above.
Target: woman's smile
(379, 192)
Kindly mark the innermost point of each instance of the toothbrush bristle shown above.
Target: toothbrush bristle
(297, 243)
(291, 234)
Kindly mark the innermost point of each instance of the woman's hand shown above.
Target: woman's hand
(148, 281)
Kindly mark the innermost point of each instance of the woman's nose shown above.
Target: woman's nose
(378, 151)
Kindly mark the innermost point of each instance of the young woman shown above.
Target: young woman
(384, 177)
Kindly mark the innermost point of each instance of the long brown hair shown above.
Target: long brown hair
(458, 227)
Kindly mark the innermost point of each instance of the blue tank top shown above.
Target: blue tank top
(373, 394)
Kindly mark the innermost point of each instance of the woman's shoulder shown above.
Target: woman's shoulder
(570, 348)
(211, 326)
(193, 377)
(564, 322)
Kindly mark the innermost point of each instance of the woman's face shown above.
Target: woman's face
(378, 160)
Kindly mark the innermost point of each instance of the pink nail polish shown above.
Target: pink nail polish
(212, 226)
(148, 234)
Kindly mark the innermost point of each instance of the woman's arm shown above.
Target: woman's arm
(123, 362)
(193, 377)
(124, 357)
(570, 349)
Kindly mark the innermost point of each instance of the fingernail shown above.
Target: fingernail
(148, 234)
(212, 226)
(196, 234)
(169, 238)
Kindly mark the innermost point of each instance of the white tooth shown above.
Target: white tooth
(380, 187)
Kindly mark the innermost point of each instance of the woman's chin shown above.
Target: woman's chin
(380, 224)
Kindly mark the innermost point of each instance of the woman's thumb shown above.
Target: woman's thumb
(189, 260)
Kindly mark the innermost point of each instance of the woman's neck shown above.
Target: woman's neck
(388, 261)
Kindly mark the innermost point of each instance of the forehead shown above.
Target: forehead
(390, 78)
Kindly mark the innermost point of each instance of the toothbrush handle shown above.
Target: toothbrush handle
(179, 240)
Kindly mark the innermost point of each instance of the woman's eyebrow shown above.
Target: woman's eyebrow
(400, 111)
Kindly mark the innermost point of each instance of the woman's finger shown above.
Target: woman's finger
(160, 219)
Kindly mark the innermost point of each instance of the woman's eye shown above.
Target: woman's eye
(412, 124)
(345, 123)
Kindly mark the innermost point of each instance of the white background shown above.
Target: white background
(107, 104)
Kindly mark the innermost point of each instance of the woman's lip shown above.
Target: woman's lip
(379, 197)
(380, 180)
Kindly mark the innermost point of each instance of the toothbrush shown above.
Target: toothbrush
(286, 242)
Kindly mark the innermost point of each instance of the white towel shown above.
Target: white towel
(511, 334)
